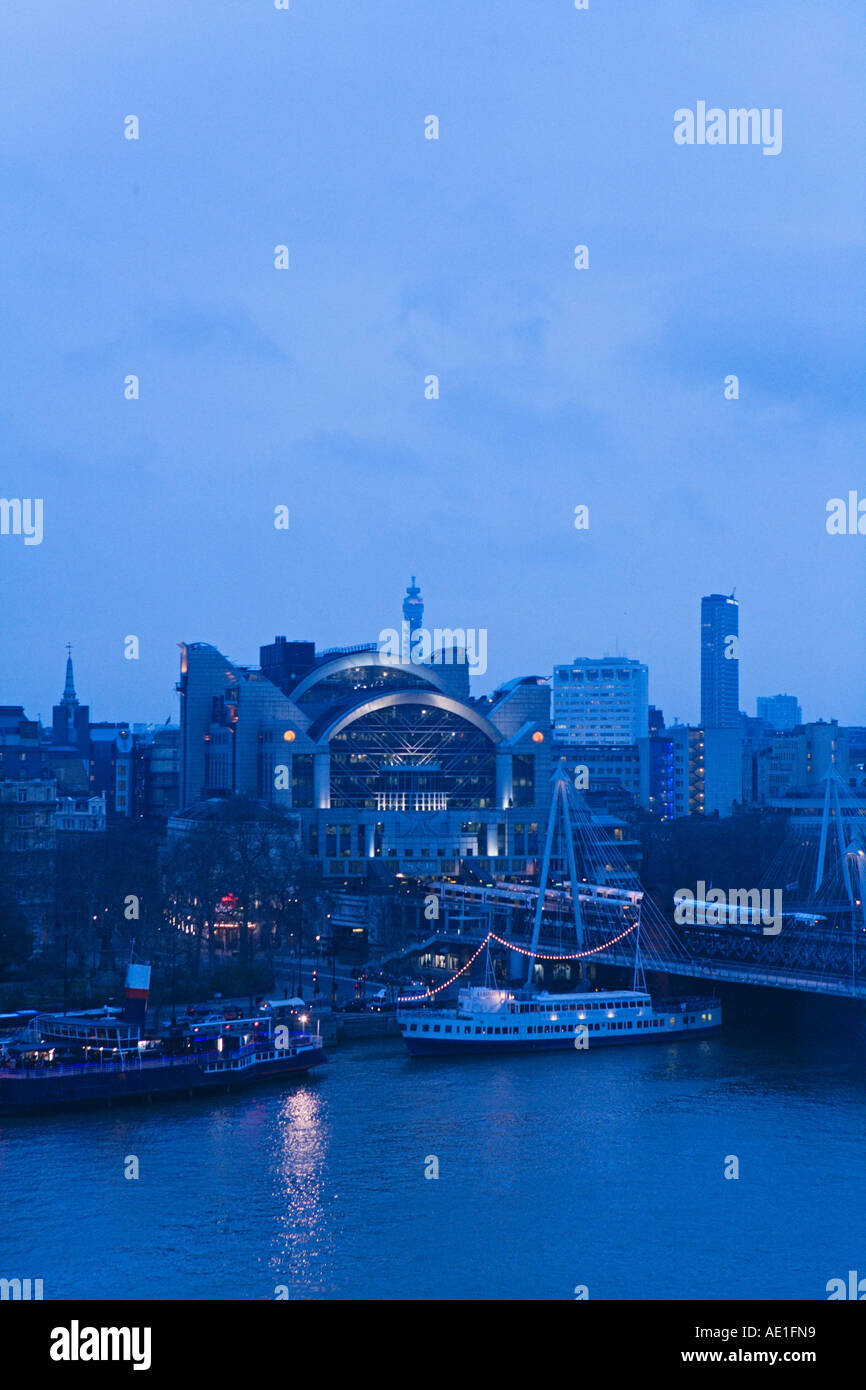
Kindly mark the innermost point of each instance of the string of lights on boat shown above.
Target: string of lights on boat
(521, 950)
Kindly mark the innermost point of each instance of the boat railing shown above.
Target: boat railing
(137, 1063)
(685, 1002)
(112, 1032)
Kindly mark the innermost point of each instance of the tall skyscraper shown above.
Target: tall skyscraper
(720, 662)
(780, 711)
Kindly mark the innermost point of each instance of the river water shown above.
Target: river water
(601, 1169)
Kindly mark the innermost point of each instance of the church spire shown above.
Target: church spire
(69, 697)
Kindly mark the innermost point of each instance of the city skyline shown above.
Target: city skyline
(11, 689)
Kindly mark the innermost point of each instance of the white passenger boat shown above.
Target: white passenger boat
(499, 1020)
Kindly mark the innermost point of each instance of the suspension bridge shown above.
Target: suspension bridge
(589, 907)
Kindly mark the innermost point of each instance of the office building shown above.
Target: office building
(780, 711)
(688, 771)
(720, 662)
(600, 701)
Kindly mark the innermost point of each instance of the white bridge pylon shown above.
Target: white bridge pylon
(559, 818)
(561, 789)
(832, 801)
(852, 849)
(855, 866)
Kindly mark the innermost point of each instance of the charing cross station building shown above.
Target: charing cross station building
(387, 765)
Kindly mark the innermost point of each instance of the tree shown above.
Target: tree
(16, 937)
(107, 893)
(238, 849)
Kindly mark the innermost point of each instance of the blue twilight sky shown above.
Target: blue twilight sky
(409, 257)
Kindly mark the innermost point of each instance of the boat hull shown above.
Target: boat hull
(73, 1089)
(428, 1046)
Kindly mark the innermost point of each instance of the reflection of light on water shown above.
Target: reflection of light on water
(303, 1226)
(301, 1127)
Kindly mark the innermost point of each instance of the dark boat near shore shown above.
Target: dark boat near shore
(66, 1061)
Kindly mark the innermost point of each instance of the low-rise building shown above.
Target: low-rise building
(81, 814)
(28, 843)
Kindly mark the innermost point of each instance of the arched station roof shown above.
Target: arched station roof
(355, 659)
(332, 724)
